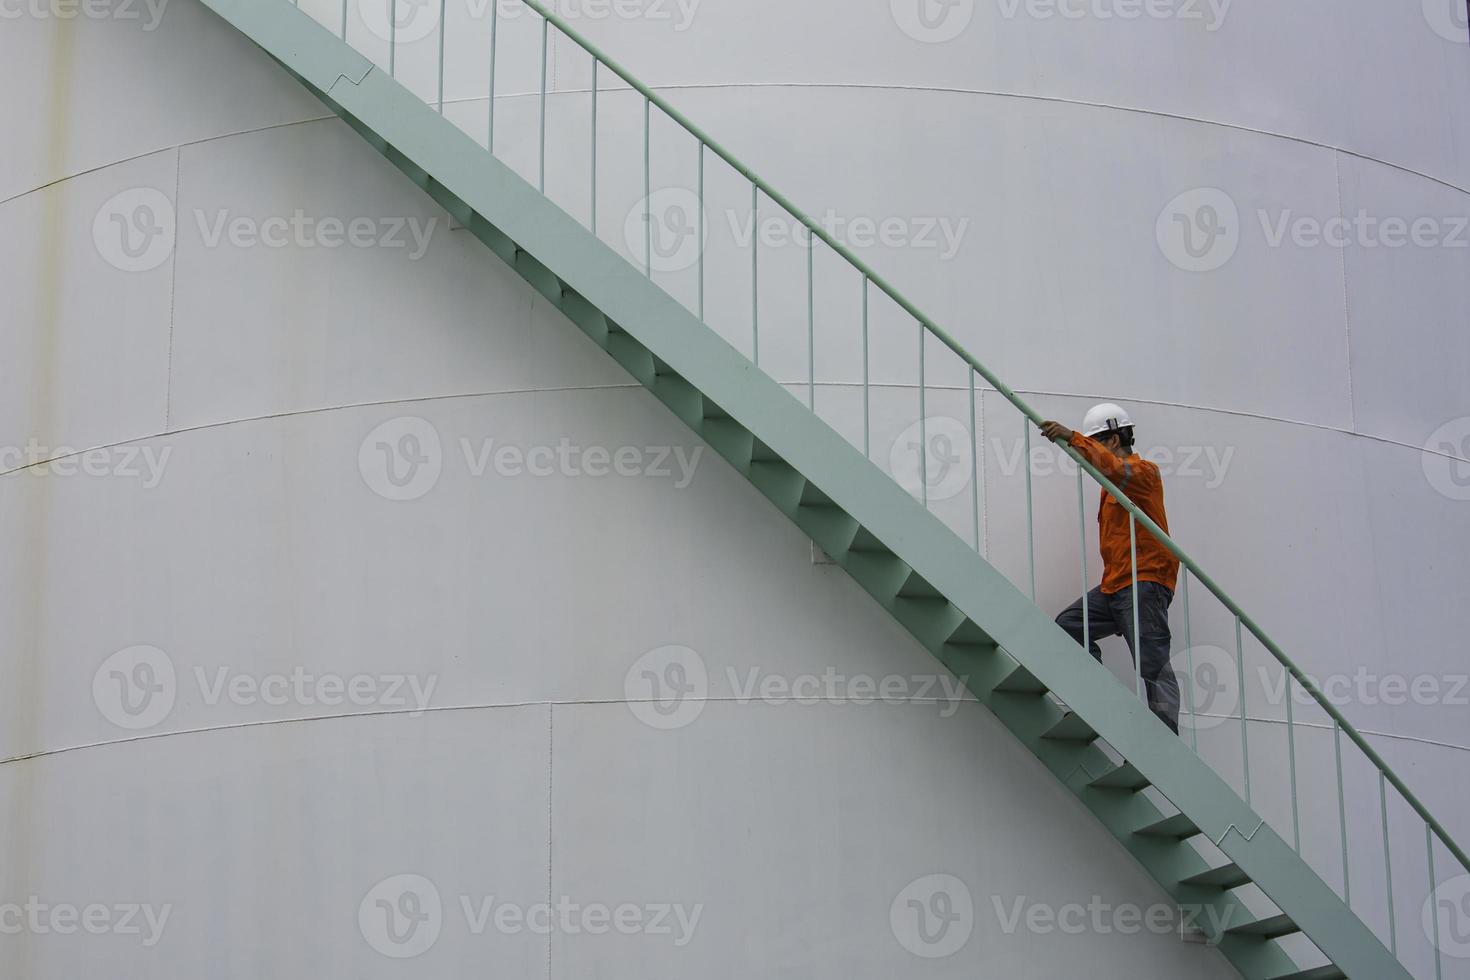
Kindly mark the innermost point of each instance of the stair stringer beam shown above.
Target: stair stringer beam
(439, 156)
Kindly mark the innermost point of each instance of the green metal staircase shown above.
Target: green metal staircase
(1156, 796)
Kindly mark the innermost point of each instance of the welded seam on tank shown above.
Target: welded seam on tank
(714, 86)
(203, 426)
(597, 702)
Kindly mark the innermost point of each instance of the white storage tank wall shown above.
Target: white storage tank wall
(260, 372)
(1301, 377)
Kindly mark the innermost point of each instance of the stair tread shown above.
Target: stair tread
(1227, 876)
(1270, 927)
(1020, 681)
(1179, 826)
(1121, 777)
(1328, 972)
(1070, 728)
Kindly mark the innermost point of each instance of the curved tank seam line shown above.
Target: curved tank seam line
(1439, 743)
(1239, 412)
(162, 149)
(633, 385)
(591, 702)
(444, 709)
(318, 411)
(874, 86)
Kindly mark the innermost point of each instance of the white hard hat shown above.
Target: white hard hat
(1105, 418)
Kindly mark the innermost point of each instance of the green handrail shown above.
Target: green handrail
(1138, 515)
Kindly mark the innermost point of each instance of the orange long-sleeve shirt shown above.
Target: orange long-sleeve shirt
(1141, 481)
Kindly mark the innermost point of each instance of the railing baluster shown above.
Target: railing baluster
(1082, 531)
(867, 412)
(1433, 905)
(923, 428)
(344, 20)
(1189, 663)
(755, 302)
(811, 324)
(1245, 748)
(1137, 638)
(975, 460)
(392, 38)
(494, 44)
(647, 188)
(1031, 512)
(1296, 825)
(592, 206)
(541, 179)
(1393, 936)
(701, 231)
(442, 12)
(1347, 891)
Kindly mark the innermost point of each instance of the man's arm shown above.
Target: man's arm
(1110, 465)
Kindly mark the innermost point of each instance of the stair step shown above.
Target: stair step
(1227, 877)
(1177, 827)
(812, 497)
(764, 454)
(1020, 681)
(967, 634)
(1271, 927)
(1071, 728)
(1123, 777)
(866, 543)
(1328, 972)
(917, 587)
(729, 438)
